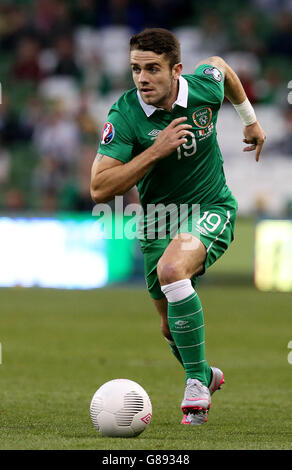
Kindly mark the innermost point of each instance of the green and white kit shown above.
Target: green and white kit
(192, 174)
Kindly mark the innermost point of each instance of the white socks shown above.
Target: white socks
(179, 290)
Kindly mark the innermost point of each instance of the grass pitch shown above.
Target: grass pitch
(58, 347)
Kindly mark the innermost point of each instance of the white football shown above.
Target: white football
(120, 408)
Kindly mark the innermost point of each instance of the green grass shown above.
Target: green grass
(58, 347)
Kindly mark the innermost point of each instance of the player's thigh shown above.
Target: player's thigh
(183, 258)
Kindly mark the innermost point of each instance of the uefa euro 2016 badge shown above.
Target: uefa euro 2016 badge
(214, 72)
(202, 117)
(107, 133)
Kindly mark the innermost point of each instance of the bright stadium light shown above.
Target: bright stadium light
(273, 255)
(52, 253)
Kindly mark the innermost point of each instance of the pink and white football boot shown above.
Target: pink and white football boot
(197, 396)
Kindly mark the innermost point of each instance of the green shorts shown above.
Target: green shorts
(215, 228)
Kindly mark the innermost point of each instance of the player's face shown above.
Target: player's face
(155, 80)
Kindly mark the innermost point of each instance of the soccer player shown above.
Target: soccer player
(161, 136)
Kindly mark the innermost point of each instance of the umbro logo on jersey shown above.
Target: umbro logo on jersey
(154, 133)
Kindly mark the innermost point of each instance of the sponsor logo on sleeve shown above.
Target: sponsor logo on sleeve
(214, 72)
(107, 133)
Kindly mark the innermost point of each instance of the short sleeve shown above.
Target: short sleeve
(116, 138)
(212, 79)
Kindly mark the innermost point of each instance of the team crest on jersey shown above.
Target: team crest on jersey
(107, 133)
(214, 72)
(202, 117)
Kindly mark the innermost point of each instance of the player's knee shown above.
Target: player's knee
(168, 272)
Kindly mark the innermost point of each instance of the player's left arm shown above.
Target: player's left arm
(234, 92)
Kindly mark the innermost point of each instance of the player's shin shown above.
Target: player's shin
(186, 323)
(174, 350)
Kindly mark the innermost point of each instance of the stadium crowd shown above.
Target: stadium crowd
(64, 62)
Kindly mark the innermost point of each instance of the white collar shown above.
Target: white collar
(182, 98)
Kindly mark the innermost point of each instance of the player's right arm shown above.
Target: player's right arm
(234, 92)
(111, 177)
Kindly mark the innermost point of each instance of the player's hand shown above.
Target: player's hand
(171, 137)
(255, 136)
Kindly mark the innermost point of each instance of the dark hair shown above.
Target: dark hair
(158, 40)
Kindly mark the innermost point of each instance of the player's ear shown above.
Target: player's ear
(177, 70)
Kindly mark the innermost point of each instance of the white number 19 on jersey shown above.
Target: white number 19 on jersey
(187, 150)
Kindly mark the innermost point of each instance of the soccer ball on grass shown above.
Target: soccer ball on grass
(120, 408)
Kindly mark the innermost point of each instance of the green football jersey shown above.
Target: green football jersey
(193, 173)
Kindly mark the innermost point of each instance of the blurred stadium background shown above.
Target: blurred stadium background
(63, 64)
